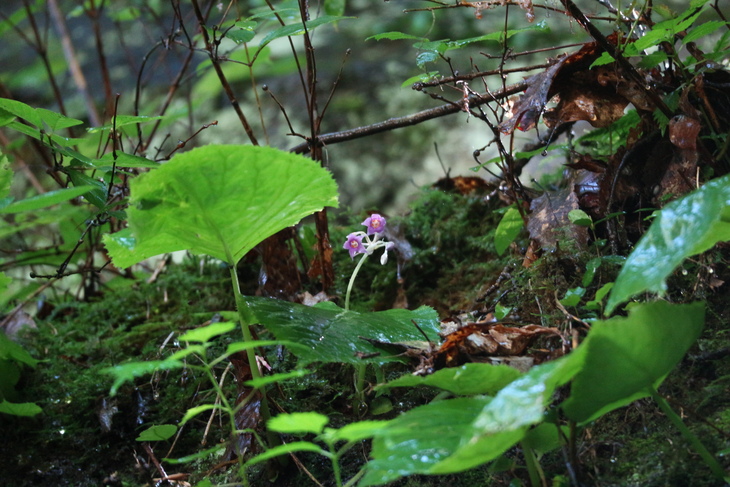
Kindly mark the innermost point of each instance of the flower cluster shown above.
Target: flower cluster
(363, 243)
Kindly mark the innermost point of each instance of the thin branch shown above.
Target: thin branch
(94, 12)
(73, 63)
(408, 120)
(210, 47)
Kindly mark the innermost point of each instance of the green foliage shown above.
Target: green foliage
(458, 434)
(328, 333)
(12, 358)
(300, 28)
(46, 199)
(683, 228)
(220, 201)
(509, 227)
(432, 51)
(299, 423)
(666, 31)
(160, 432)
(627, 358)
(467, 380)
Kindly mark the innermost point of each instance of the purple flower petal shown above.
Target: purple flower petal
(375, 224)
(354, 245)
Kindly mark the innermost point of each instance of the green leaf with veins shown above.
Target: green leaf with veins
(220, 201)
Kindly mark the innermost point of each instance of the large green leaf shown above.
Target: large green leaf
(505, 420)
(685, 227)
(627, 356)
(467, 380)
(459, 434)
(220, 201)
(331, 334)
(415, 441)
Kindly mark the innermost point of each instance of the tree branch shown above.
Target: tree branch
(408, 120)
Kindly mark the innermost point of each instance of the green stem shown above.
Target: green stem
(221, 395)
(354, 480)
(533, 466)
(695, 442)
(359, 399)
(352, 281)
(246, 318)
(335, 465)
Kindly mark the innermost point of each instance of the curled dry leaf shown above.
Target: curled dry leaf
(487, 340)
(585, 99)
(598, 96)
(473, 342)
(683, 132)
(529, 106)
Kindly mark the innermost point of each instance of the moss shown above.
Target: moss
(75, 343)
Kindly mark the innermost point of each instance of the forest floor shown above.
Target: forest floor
(85, 437)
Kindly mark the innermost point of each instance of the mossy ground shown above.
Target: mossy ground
(453, 267)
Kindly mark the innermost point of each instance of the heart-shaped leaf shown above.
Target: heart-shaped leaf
(627, 356)
(220, 201)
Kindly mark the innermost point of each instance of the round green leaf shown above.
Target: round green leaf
(220, 201)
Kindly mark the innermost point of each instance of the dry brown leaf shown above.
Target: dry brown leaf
(548, 223)
(683, 132)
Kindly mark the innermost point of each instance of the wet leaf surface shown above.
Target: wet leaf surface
(466, 380)
(626, 356)
(465, 432)
(683, 228)
(332, 334)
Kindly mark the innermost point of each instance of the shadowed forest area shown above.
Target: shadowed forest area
(358, 243)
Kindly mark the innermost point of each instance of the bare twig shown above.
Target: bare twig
(211, 48)
(94, 12)
(480, 74)
(73, 63)
(408, 120)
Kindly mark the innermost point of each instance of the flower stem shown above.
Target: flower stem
(246, 318)
(352, 281)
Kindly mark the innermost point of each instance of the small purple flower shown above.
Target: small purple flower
(375, 224)
(354, 245)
